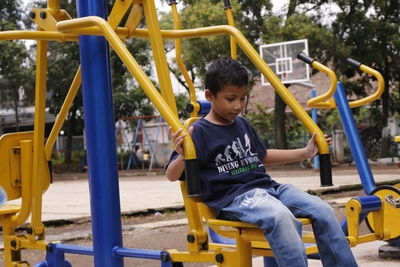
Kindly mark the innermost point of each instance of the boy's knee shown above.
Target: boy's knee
(325, 212)
(283, 219)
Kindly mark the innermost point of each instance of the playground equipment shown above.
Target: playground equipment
(381, 207)
(141, 137)
(25, 169)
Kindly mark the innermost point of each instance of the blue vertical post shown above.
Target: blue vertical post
(100, 137)
(353, 137)
(314, 117)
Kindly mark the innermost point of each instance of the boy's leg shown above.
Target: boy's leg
(332, 244)
(281, 228)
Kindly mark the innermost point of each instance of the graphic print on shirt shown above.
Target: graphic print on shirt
(237, 158)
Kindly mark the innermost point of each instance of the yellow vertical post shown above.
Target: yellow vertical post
(231, 22)
(53, 5)
(26, 182)
(160, 58)
(38, 138)
(179, 61)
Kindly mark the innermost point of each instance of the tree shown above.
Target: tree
(63, 61)
(369, 32)
(255, 20)
(199, 52)
(15, 67)
(294, 26)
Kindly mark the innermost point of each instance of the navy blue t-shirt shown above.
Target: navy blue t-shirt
(230, 161)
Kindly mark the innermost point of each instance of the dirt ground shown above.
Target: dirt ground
(166, 237)
(169, 237)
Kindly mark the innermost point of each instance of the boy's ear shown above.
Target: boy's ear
(208, 94)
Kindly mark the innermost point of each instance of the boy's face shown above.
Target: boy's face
(227, 104)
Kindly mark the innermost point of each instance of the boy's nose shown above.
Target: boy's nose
(238, 106)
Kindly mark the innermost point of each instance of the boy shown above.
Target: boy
(234, 181)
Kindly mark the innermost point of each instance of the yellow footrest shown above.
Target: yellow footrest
(9, 209)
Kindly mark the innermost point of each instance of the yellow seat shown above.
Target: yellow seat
(249, 238)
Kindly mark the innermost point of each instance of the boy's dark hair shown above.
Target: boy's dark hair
(226, 71)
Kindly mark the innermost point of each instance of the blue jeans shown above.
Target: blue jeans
(275, 210)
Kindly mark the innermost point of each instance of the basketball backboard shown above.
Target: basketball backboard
(282, 59)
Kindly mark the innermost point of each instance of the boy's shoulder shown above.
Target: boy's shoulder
(203, 123)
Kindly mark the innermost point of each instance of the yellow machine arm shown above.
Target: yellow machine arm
(370, 71)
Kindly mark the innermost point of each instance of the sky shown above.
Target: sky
(278, 4)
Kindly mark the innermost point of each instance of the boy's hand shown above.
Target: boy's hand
(177, 140)
(312, 148)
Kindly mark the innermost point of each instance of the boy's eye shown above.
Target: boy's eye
(230, 99)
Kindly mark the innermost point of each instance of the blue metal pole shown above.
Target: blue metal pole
(314, 117)
(353, 137)
(100, 136)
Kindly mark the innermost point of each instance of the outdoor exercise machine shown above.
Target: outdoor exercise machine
(381, 207)
(25, 168)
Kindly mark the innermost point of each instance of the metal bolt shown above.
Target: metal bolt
(164, 257)
(190, 238)
(43, 14)
(13, 243)
(219, 258)
(189, 107)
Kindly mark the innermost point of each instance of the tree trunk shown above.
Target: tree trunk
(385, 145)
(16, 102)
(280, 105)
(280, 121)
(70, 134)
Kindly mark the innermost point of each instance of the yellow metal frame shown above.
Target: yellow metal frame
(231, 22)
(383, 226)
(58, 26)
(324, 101)
(181, 65)
(385, 222)
(34, 177)
(378, 92)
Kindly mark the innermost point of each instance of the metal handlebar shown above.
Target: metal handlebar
(370, 71)
(322, 101)
(227, 4)
(171, 2)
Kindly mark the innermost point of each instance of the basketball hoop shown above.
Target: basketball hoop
(282, 59)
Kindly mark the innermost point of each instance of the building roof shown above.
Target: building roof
(265, 95)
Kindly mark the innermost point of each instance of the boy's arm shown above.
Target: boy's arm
(280, 156)
(175, 169)
(177, 166)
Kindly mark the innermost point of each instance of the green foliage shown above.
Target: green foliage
(264, 124)
(15, 67)
(131, 103)
(181, 101)
(202, 14)
(370, 33)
